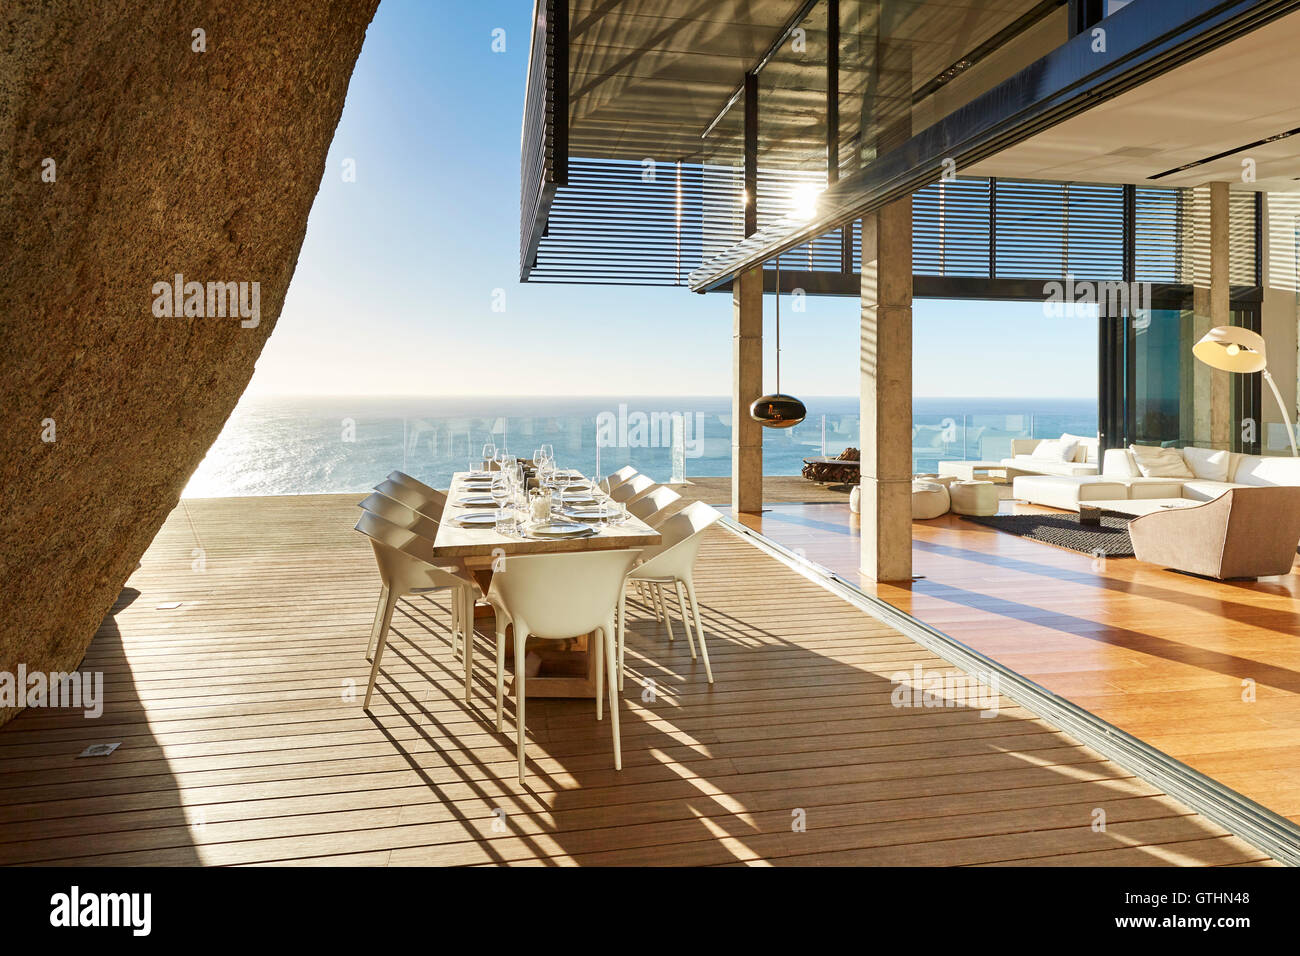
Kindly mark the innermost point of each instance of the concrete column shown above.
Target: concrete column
(1211, 297)
(1280, 309)
(885, 359)
(1220, 314)
(746, 385)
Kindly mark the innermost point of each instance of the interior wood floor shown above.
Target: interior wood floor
(242, 742)
(1165, 656)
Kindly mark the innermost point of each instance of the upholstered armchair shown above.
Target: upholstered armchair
(1244, 533)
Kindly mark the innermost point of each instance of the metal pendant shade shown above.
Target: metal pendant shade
(777, 410)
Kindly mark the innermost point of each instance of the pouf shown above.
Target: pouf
(855, 500)
(974, 497)
(929, 500)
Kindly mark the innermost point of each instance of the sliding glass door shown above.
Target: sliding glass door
(1154, 392)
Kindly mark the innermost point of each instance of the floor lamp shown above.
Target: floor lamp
(1232, 348)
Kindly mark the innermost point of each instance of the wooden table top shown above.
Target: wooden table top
(456, 542)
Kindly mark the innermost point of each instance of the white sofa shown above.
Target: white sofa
(1024, 462)
(1121, 486)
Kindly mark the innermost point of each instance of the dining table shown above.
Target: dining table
(555, 668)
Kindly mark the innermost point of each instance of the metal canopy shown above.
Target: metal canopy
(1143, 41)
(647, 77)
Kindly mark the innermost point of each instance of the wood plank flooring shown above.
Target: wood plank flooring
(243, 741)
(1167, 657)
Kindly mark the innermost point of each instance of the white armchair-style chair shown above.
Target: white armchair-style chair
(431, 495)
(406, 566)
(633, 488)
(557, 597)
(621, 476)
(654, 507)
(426, 527)
(400, 515)
(672, 564)
(415, 500)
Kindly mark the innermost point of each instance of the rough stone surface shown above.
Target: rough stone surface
(167, 161)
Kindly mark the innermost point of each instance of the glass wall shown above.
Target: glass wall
(1163, 399)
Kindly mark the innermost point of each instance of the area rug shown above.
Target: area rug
(1110, 539)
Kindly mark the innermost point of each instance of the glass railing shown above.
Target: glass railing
(299, 446)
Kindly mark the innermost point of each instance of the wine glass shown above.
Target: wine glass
(501, 491)
(548, 452)
(489, 453)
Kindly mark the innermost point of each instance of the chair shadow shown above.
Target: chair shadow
(713, 774)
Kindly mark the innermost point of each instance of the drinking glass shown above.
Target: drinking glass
(548, 452)
(501, 492)
(489, 451)
(507, 521)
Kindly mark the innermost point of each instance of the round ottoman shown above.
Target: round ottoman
(929, 500)
(974, 497)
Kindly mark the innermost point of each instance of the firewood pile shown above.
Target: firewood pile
(831, 471)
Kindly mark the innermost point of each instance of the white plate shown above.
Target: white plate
(560, 529)
(589, 514)
(479, 519)
(476, 501)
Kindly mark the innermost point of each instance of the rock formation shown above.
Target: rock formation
(139, 140)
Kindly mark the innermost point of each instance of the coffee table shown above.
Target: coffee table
(993, 471)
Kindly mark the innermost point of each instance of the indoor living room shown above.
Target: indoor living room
(1147, 585)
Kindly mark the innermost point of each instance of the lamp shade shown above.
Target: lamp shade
(1231, 348)
(778, 411)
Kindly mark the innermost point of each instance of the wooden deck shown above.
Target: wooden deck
(242, 743)
(1163, 656)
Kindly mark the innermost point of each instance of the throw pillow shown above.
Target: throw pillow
(1055, 449)
(1087, 447)
(1206, 463)
(1156, 462)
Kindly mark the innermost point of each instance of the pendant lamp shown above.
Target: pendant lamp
(778, 410)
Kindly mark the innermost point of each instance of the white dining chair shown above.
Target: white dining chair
(406, 566)
(672, 564)
(633, 488)
(621, 476)
(416, 501)
(558, 597)
(399, 514)
(655, 506)
(410, 520)
(432, 495)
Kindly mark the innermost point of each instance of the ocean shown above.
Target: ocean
(284, 446)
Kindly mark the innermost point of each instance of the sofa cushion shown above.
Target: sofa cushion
(1055, 491)
(1255, 470)
(1043, 466)
(1119, 463)
(1156, 462)
(1055, 449)
(1200, 490)
(1207, 463)
(1085, 448)
(1144, 488)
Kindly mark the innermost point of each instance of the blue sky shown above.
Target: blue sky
(394, 288)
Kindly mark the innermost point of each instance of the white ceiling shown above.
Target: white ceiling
(1238, 94)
